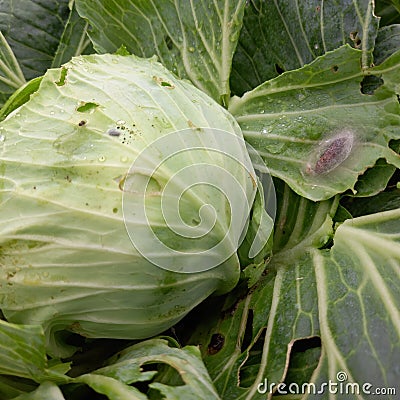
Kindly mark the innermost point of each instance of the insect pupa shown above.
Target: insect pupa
(331, 153)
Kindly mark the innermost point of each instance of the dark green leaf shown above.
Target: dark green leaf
(74, 40)
(384, 201)
(389, 11)
(387, 42)
(194, 39)
(33, 29)
(283, 35)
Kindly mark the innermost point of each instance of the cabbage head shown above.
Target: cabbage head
(112, 224)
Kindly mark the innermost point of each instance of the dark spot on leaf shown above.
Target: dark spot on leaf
(318, 9)
(114, 132)
(63, 77)
(115, 210)
(68, 179)
(335, 68)
(370, 83)
(216, 343)
(168, 42)
(279, 70)
(81, 123)
(87, 107)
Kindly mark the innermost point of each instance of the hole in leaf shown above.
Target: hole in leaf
(248, 333)
(63, 77)
(353, 35)
(250, 368)
(335, 68)
(168, 42)
(304, 358)
(216, 343)
(87, 107)
(279, 69)
(163, 82)
(355, 39)
(370, 83)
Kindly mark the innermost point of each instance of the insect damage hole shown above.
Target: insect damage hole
(331, 153)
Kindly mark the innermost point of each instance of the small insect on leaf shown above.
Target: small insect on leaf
(333, 152)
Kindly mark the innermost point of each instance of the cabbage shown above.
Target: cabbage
(125, 194)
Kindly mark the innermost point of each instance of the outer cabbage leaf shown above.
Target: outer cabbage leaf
(194, 39)
(66, 259)
(283, 35)
(291, 118)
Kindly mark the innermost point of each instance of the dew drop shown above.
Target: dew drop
(2, 138)
(124, 159)
(121, 122)
(316, 46)
(264, 131)
(301, 97)
(51, 112)
(191, 49)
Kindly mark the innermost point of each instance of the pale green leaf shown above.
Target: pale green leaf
(22, 350)
(47, 390)
(23, 354)
(67, 261)
(126, 366)
(112, 388)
